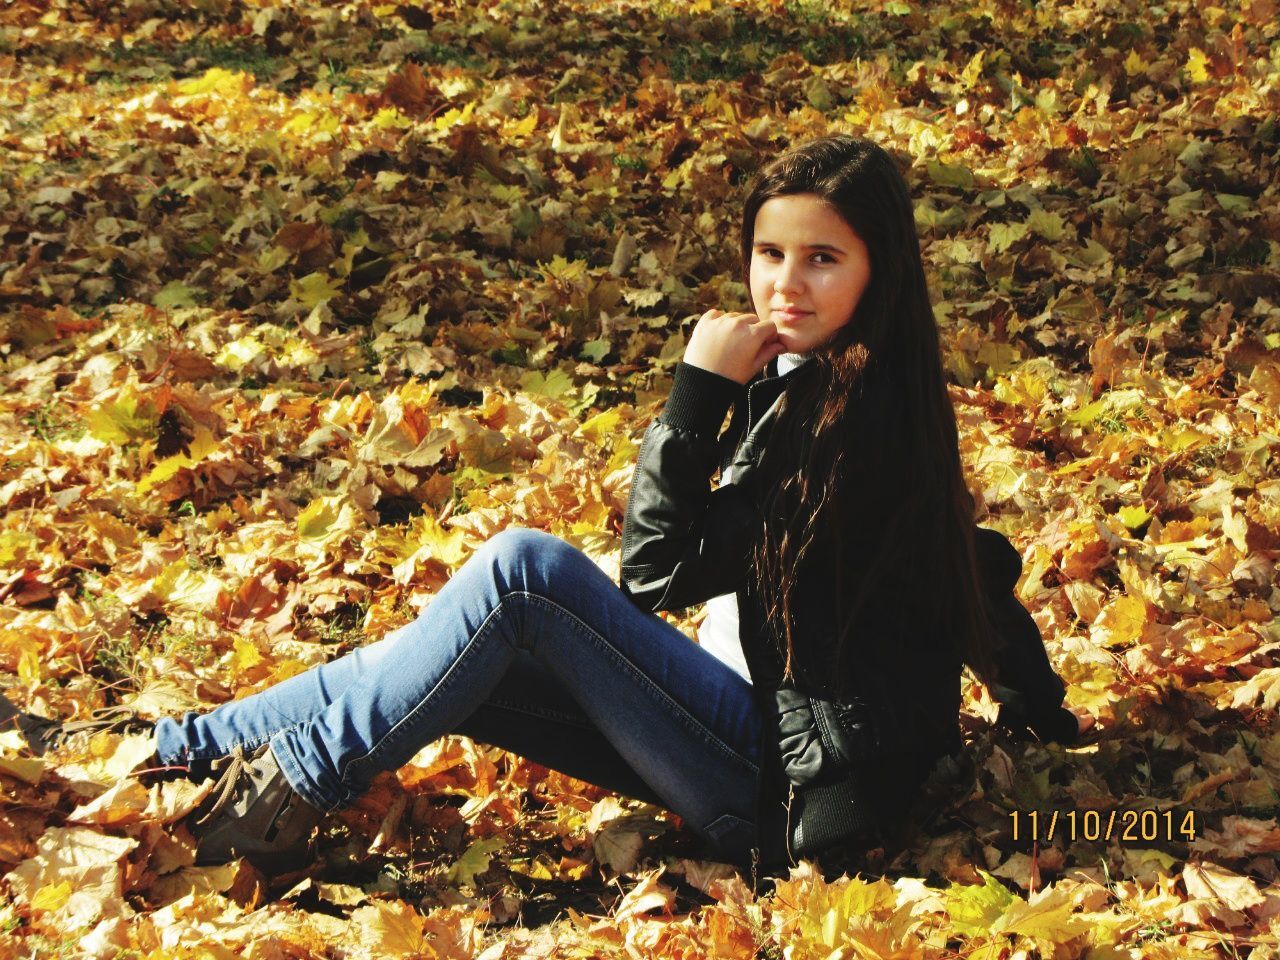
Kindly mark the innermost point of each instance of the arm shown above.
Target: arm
(1030, 693)
(678, 534)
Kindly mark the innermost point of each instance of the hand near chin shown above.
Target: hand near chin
(734, 345)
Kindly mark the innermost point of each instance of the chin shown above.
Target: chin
(795, 345)
(789, 341)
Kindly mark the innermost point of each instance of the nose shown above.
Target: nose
(788, 277)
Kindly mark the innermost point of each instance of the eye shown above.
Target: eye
(827, 255)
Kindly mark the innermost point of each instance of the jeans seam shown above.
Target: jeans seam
(533, 710)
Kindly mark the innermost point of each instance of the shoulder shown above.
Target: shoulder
(999, 561)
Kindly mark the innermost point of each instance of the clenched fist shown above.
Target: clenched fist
(734, 345)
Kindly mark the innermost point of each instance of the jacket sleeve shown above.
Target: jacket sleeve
(1028, 690)
(682, 542)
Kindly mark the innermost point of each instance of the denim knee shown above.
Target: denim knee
(527, 556)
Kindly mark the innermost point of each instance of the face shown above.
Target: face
(808, 269)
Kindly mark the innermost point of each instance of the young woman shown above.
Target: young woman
(846, 578)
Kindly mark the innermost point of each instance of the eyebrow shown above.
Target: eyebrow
(809, 246)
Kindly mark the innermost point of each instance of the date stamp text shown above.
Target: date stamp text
(1125, 826)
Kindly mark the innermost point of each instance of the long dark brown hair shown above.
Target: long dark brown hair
(865, 449)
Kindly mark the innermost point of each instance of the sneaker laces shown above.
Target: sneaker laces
(225, 788)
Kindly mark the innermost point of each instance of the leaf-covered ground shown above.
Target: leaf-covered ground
(302, 301)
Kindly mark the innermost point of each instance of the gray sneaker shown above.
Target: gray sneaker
(254, 813)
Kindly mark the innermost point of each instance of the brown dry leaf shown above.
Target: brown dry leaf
(88, 862)
(1210, 881)
(124, 803)
(388, 930)
(356, 313)
(408, 89)
(645, 897)
(1045, 916)
(1239, 837)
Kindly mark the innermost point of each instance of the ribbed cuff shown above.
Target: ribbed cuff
(699, 399)
(844, 813)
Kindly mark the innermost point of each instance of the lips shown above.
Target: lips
(792, 313)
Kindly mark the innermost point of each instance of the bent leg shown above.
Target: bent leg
(682, 720)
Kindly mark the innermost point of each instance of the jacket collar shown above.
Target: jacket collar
(764, 389)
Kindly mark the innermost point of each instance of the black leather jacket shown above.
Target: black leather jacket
(684, 542)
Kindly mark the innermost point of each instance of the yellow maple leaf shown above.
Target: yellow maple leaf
(1121, 622)
(319, 124)
(1265, 684)
(1133, 516)
(126, 417)
(601, 425)
(520, 128)
(389, 117)
(973, 69)
(390, 930)
(246, 654)
(1197, 65)
(1045, 916)
(315, 289)
(182, 586)
(202, 445)
(29, 667)
(52, 896)
(238, 353)
(216, 80)
(455, 117)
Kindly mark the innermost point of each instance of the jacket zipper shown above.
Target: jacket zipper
(791, 796)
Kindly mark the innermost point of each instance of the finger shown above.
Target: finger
(767, 352)
(762, 326)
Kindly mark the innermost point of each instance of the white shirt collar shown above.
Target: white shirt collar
(789, 361)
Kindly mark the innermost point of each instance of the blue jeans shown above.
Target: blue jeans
(530, 646)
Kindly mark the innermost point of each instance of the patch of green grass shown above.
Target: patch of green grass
(426, 50)
(121, 659)
(53, 421)
(1253, 252)
(193, 57)
(337, 77)
(187, 646)
(371, 357)
(625, 161)
(751, 44)
(243, 57)
(345, 625)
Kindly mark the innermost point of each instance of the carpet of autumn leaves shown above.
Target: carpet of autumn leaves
(300, 302)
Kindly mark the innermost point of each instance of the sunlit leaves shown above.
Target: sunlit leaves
(301, 307)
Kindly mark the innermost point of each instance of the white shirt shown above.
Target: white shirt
(718, 632)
